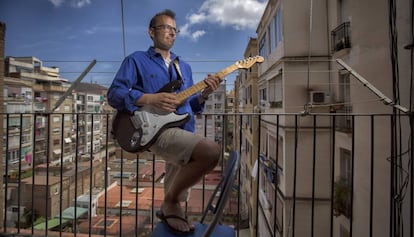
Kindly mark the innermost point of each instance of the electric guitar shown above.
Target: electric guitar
(137, 132)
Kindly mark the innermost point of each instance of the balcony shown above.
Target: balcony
(340, 37)
(289, 184)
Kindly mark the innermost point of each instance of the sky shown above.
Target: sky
(70, 34)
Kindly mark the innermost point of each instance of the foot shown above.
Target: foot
(180, 224)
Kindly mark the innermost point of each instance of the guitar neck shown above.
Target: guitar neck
(182, 96)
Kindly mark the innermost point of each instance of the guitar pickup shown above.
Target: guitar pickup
(136, 120)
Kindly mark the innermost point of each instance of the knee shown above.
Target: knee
(208, 152)
(213, 153)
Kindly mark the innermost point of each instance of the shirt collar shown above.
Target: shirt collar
(151, 51)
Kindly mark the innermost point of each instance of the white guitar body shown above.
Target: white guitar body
(151, 122)
(144, 126)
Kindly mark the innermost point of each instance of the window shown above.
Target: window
(262, 46)
(345, 165)
(217, 106)
(275, 91)
(249, 94)
(278, 26)
(56, 119)
(262, 94)
(270, 41)
(344, 93)
(279, 215)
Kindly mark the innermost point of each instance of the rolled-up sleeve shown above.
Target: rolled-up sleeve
(195, 104)
(123, 92)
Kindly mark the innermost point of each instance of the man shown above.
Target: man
(137, 82)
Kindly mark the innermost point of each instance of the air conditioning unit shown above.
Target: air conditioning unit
(264, 104)
(318, 97)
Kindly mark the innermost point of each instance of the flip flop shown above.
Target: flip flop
(173, 230)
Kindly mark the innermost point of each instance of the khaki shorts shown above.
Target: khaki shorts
(175, 146)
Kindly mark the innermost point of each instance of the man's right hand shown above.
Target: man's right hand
(164, 101)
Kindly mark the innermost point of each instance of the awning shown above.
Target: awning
(69, 213)
(57, 151)
(50, 224)
(68, 140)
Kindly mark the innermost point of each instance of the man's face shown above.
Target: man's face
(163, 34)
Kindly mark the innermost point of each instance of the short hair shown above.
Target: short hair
(166, 12)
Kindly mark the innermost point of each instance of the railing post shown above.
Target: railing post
(2, 34)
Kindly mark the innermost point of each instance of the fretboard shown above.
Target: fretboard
(182, 96)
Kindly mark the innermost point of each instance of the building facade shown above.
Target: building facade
(307, 46)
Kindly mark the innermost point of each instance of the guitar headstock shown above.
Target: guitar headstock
(248, 62)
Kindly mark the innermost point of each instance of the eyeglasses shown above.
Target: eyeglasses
(167, 28)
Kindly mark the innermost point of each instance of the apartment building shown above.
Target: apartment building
(301, 42)
(43, 136)
(211, 118)
(229, 120)
(292, 48)
(33, 87)
(246, 131)
(89, 105)
(368, 45)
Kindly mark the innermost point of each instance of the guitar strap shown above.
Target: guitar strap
(179, 75)
(177, 67)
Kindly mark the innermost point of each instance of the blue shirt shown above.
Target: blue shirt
(146, 72)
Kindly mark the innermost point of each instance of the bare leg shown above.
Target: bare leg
(204, 158)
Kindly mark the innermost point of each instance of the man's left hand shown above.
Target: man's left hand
(213, 82)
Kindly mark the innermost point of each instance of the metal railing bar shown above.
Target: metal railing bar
(47, 174)
(153, 193)
(106, 175)
(411, 120)
(295, 157)
(136, 194)
(392, 194)
(19, 195)
(7, 172)
(313, 176)
(76, 172)
(33, 169)
(277, 173)
(62, 126)
(121, 192)
(333, 135)
(371, 206)
(257, 194)
(240, 153)
(351, 215)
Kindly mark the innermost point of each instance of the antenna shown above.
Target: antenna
(74, 84)
(377, 92)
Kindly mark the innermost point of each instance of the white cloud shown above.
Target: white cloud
(101, 29)
(197, 34)
(72, 3)
(238, 14)
(79, 3)
(57, 3)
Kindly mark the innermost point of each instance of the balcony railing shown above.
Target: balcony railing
(288, 184)
(340, 37)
